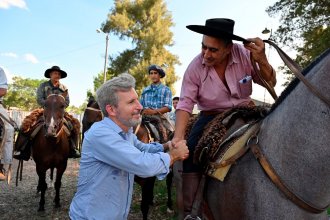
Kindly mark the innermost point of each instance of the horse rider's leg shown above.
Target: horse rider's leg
(73, 139)
(74, 152)
(22, 149)
(191, 175)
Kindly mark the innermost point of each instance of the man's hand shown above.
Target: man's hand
(179, 152)
(148, 111)
(257, 48)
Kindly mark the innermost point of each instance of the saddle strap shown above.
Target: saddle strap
(270, 89)
(296, 69)
(280, 184)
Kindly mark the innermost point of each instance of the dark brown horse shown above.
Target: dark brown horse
(50, 148)
(147, 184)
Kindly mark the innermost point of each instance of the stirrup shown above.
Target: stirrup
(190, 217)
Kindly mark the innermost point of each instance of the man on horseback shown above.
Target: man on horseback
(53, 86)
(7, 132)
(217, 79)
(156, 100)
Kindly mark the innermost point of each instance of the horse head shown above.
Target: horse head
(54, 110)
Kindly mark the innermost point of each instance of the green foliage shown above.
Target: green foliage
(305, 27)
(146, 23)
(22, 93)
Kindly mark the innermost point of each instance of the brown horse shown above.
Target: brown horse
(147, 184)
(50, 147)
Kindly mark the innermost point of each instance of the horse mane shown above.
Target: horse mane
(292, 85)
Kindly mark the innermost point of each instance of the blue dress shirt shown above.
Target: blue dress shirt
(110, 159)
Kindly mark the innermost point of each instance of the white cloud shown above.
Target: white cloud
(9, 54)
(31, 58)
(6, 4)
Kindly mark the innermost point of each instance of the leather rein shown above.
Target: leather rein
(253, 141)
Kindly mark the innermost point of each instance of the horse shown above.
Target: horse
(292, 144)
(147, 184)
(93, 114)
(50, 147)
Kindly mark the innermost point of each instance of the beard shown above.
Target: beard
(131, 122)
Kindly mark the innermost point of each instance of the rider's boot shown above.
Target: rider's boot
(190, 182)
(22, 149)
(74, 153)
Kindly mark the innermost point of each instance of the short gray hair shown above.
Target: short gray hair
(107, 93)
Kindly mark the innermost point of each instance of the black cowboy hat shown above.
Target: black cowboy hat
(222, 28)
(55, 68)
(158, 69)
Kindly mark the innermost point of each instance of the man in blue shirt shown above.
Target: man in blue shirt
(156, 98)
(112, 155)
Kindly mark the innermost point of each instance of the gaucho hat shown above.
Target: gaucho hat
(55, 68)
(158, 69)
(222, 28)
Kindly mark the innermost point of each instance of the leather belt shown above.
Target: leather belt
(207, 113)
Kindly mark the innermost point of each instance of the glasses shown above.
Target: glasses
(212, 49)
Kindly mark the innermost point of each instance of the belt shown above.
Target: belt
(207, 113)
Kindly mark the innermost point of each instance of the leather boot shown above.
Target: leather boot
(22, 148)
(190, 182)
(74, 153)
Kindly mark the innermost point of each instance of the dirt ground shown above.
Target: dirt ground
(21, 202)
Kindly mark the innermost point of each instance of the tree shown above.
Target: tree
(146, 23)
(22, 93)
(304, 26)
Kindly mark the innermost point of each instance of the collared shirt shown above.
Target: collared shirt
(201, 85)
(47, 88)
(110, 159)
(156, 96)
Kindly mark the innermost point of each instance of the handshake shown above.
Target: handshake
(177, 151)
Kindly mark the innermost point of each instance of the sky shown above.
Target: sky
(36, 35)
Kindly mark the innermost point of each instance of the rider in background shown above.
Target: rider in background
(156, 98)
(6, 149)
(218, 79)
(53, 86)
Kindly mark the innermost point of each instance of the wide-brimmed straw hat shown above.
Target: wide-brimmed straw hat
(222, 28)
(55, 68)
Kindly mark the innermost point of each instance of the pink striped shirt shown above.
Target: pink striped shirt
(201, 85)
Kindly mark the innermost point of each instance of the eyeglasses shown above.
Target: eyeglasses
(212, 49)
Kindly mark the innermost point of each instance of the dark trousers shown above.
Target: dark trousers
(194, 136)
